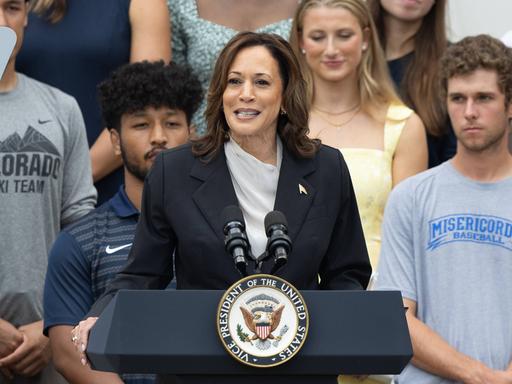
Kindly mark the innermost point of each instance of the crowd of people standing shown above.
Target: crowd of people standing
(126, 124)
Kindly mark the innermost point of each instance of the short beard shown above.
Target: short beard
(133, 168)
(491, 143)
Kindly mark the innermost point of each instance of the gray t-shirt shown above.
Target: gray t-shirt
(45, 183)
(447, 244)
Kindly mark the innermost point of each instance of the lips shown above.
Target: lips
(246, 113)
(333, 63)
(472, 129)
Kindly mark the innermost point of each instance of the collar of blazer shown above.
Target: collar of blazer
(217, 192)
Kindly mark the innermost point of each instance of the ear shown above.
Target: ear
(366, 38)
(115, 139)
(25, 23)
(192, 130)
(301, 43)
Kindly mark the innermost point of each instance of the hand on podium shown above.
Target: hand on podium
(80, 337)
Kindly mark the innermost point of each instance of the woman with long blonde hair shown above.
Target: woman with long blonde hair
(354, 106)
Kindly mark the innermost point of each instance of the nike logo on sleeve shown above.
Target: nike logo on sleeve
(110, 250)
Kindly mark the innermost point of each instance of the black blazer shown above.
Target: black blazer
(181, 212)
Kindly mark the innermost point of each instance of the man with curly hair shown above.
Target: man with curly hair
(148, 108)
(447, 232)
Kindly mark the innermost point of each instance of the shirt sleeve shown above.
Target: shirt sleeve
(78, 192)
(346, 264)
(67, 291)
(396, 264)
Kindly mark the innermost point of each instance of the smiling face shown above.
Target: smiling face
(253, 94)
(477, 110)
(333, 43)
(146, 133)
(407, 10)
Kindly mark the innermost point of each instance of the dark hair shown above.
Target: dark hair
(478, 52)
(52, 10)
(292, 126)
(420, 84)
(134, 87)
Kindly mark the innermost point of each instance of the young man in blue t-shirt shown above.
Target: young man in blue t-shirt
(447, 232)
(147, 107)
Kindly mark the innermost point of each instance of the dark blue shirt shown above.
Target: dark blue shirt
(83, 260)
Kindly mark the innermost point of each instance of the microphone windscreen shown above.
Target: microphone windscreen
(232, 213)
(272, 218)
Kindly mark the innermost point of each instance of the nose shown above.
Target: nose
(158, 137)
(470, 110)
(3, 22)
(331, 49)
(247, 92)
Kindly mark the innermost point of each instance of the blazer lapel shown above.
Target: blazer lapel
(294, 193)
(216, 191)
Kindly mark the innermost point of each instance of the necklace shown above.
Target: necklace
(341, 124)
(355, 106)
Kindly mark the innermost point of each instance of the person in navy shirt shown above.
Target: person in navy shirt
(148, 107)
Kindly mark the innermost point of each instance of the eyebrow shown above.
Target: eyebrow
(170, 112)
(257, 74)
(479, 93)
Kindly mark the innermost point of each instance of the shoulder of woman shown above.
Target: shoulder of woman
(414, 123)
(328, 156)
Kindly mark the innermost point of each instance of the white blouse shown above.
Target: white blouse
(255, 186)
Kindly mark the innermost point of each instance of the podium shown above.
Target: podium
(174, 332)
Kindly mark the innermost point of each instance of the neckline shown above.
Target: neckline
(475, 183)
(387, 121)
(233, 30)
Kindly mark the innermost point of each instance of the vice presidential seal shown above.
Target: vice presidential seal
(262, 320)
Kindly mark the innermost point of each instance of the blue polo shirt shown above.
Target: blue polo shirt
(83, 260)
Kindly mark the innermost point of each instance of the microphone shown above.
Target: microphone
(279, 243)
(235, 240)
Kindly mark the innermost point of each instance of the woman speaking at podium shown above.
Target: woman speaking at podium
(255, 155)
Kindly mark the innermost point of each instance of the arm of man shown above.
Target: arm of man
(10, 338)
(433, 354)
(67, 359)
(78, 192)
(68, 295)
(32, 355)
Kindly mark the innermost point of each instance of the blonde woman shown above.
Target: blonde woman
(353, 104)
